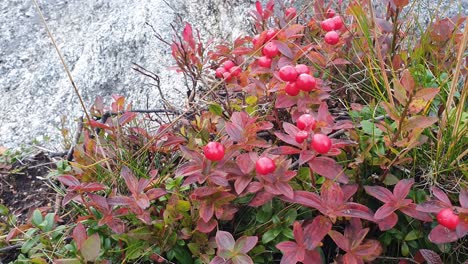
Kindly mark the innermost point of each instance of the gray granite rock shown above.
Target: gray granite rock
(100, 39)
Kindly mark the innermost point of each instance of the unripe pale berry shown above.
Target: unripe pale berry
(265, 165)
(264, 62)
(321, 143)
(270, 50)
(332, 38)
(291, 89)
(302, 68)
(306, 122)
(288, 73)
(306, 82)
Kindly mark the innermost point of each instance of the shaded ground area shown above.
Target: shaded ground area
(22, 191)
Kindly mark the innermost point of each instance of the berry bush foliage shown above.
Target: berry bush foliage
(262, 169)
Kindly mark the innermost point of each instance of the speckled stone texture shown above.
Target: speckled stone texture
(100, 40)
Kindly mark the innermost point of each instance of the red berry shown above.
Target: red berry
(306, 122)
(328, 24)
(302, 68)
(301, 136)
(270, 34)
(219, 72)
(290, 13)
(321, 143)
(236, 70)
(288, 73)
(270, 50)
(332, 38)
(264, 62)
(227, 76)
(306, 82)
(330, 13)
(255, 40)
(265, 165)
(291, 89)
(214, 151)
(228, 65)
(338, 22)
(447, 218)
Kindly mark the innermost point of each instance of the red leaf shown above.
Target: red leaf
(241, 183)
(388, 222)
(94, 123)
(206, 227)
(430, 256)
(340, 240)
(431, 206)
(284, 101)
(225, 240)
(426, 94)
(92, 187)
(206, 211)
(384, 211)
(441, 235)
(126, 118)
(316, 231)
(130, 179)
(245, 244)
(261, 198)
(284, 49)
(331, 194)
(402, 189)
(380, 193)
(328, 168)
(285, 189)
(284, 150)
(79, 235)
(234, 131)
(441, 196)
(258, 6)
(187, 35)
(411, 211)
(155, 193)
(68, 180)
(246, 162)
(463, 197)
(307, 199)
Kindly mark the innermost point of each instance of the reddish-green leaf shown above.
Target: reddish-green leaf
(79, 235)
(91, 248)
(225, 240)
(245, 244)
(418, 122)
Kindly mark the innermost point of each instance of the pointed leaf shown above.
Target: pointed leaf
(402, 188)
(91, 248)
(413, 212)
(245, 244)
(441, 196)
(380, 193)
(420, 122)
(441, 235)
(384, 211)
(130, 179)
(328, 168)
(430, 256)
(242, 259)
(341, 241)
(206, 227)
(316, 231)
(68, 180)
(463, 197)
(225, 240)
(284, 49)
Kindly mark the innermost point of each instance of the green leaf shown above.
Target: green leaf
(3, 210)
(37, 219)
(413, 235)
(26, 247)
(91, 248)
(290, 217)
(405, 249)
(251, 100)
(288, 233)
(370, 128)
(182, 255)
(269, 236)
(264, 214)
(216, 109)
(67, 261)
(183, 206)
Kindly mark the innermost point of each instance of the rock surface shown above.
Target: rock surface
(100, 39)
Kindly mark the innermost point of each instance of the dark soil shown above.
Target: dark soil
(22, 191)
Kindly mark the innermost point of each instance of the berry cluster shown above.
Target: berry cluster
(228, 70)
(319, 142)
(298, 79)
(331, 24)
